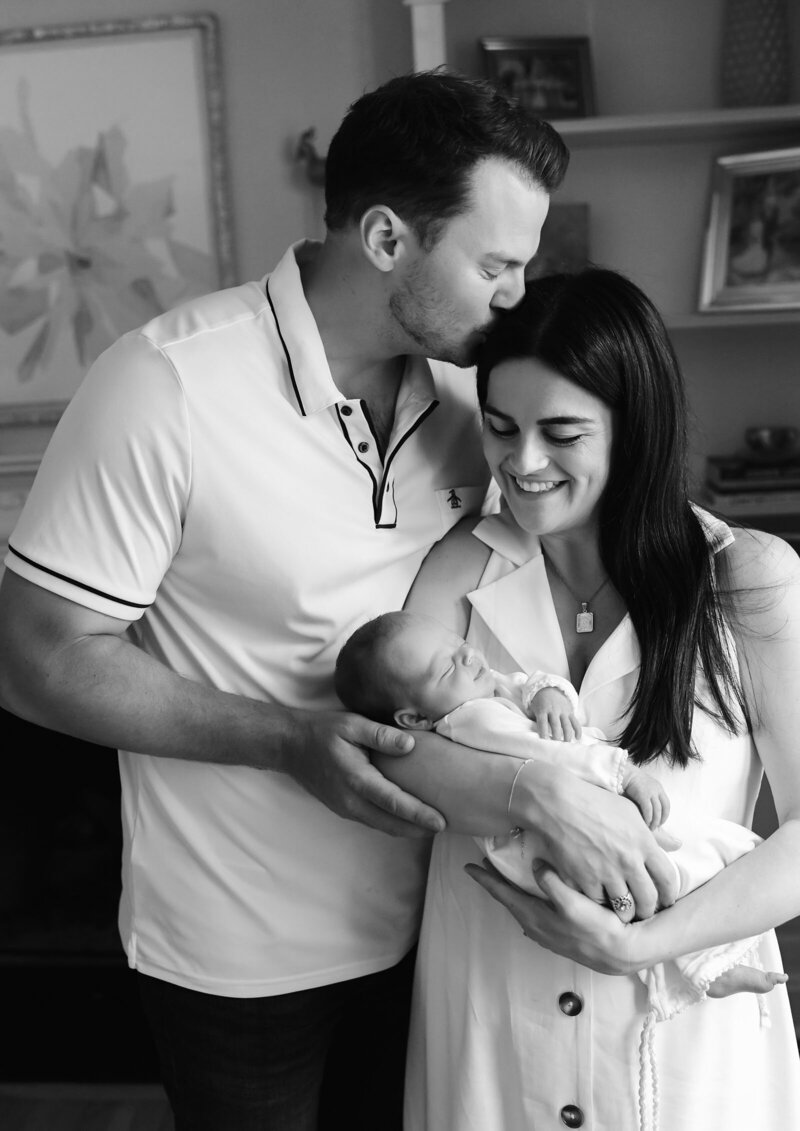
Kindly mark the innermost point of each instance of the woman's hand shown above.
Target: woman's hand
(567, 923)
(596, 840)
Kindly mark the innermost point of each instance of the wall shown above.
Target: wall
(648, 55)
(290, 64)
(654, 56)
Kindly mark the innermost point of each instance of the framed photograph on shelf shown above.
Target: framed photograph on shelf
(552, 78)
(751, 259)
(114, 200)
(564, 243)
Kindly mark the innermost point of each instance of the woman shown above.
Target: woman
(684, 639)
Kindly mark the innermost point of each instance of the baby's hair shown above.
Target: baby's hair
(361, 679)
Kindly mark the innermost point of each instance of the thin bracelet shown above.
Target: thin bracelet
(515, 829)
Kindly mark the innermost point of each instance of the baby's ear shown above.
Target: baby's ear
(409, 719)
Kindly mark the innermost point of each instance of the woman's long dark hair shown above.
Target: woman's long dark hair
(598, 329)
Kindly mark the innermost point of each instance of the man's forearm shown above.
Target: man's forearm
(105, 690)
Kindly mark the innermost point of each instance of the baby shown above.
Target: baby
(410, 671)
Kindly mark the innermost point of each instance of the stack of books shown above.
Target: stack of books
(753, 487)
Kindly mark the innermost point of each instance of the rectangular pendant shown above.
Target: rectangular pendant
(584, 621)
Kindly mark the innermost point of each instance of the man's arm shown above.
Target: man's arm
(73, 670)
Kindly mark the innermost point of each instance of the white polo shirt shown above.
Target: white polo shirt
(209, 483)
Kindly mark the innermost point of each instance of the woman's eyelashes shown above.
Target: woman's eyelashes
(507, 431)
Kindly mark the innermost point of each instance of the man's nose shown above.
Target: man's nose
(511, 289)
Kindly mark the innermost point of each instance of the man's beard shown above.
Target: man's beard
(422, 315)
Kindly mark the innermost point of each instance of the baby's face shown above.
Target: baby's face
(437, 670)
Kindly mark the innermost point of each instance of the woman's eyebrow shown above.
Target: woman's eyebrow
(488, 408)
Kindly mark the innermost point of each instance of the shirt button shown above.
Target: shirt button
(346, 410)
(363, 447)
(571, 1115)
(570, 1003)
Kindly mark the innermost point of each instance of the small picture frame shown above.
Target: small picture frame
(751, 259)
(551, 78)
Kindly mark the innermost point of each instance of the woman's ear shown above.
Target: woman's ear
(384, 237)
(408, 719)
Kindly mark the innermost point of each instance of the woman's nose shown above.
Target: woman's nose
(529, 455)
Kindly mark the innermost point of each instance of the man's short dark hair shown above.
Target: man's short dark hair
(413, 143)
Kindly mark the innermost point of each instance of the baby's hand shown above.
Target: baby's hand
(552, 712)
(647, 793)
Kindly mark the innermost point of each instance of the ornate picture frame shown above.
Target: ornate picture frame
(114, 196)
(751, 258)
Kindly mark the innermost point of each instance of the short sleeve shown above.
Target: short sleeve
(104, 516)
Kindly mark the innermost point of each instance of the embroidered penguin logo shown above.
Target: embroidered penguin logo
(454, 500)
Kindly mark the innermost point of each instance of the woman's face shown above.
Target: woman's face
(548, 444)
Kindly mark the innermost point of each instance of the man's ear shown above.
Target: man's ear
(408, 719)
(384, 237)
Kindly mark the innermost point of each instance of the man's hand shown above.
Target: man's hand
(328, 753)
(596, 840)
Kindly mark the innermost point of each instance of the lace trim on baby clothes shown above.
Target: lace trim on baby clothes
(695, 994)
(623, 762)
(539, 680)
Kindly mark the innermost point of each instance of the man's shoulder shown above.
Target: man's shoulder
(203, 314)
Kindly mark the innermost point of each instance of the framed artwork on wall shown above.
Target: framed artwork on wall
(114, 199)
(751, 259)
(552, 78)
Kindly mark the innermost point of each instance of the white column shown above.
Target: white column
(427, 33)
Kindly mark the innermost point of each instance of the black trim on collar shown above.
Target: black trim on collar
(377, 488)
(286, 351)
(78, 584)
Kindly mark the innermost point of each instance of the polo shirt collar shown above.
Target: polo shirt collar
(313, 384)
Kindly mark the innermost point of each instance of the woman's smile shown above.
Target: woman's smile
(537, 486)
(547, 441)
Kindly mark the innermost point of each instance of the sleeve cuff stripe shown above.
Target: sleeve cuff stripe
(79, 584)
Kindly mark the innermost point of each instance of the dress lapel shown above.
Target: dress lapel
(517, 607)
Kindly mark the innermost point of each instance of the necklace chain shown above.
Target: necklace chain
(584, 618)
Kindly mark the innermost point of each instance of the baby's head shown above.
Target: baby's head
(409, 670)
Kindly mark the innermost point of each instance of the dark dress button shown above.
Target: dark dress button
(363, 447)
(570, 1003)
(346, 410)
(572, 1116)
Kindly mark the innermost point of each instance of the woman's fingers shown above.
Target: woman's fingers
(622, 904)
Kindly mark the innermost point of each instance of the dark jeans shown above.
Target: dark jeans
(316, 1060)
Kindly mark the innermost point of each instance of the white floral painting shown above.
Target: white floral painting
(113, 194)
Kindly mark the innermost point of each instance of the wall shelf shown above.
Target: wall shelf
(647, 180)
(690, 125)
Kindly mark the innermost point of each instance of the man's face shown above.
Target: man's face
(446, 298)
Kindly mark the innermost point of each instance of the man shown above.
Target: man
(233, 489)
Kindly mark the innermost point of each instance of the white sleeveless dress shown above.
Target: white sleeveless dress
(508, 1037)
